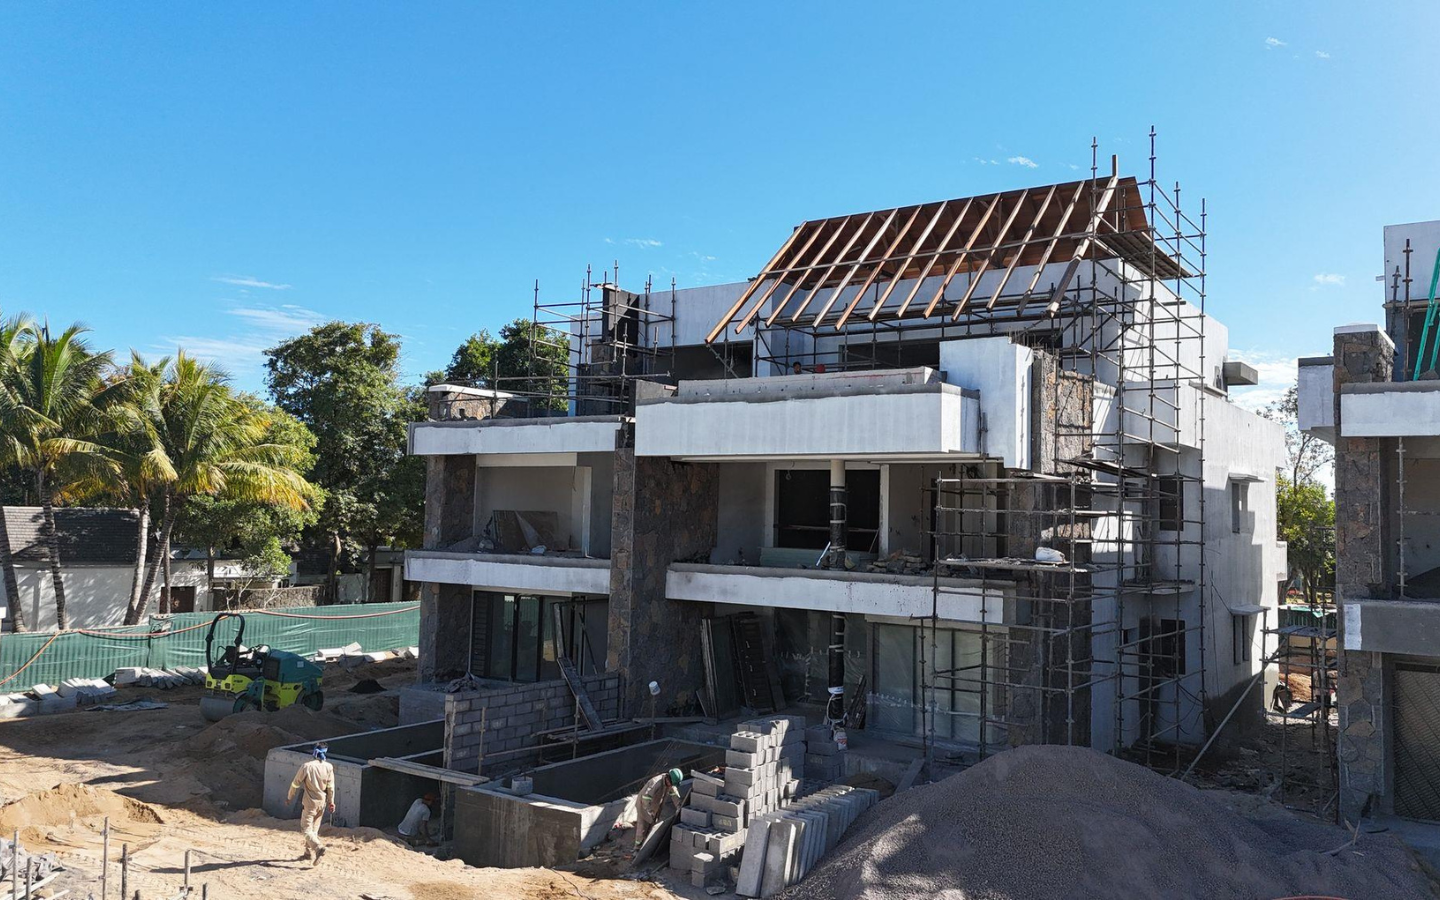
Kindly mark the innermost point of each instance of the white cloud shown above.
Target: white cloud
(242, 353)
(1329, 279)
(1025, 161)
(1322, 54)
(1272, 43)
(1276, 374)
(250, 281)
(642, 243)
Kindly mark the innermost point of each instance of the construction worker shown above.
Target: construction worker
(415, 827)
(316, 779)
(665, 786)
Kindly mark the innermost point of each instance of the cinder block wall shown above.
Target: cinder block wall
(514, 717)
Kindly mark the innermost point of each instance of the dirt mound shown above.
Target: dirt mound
(1057, 822)
(69, 803)
(229, 756)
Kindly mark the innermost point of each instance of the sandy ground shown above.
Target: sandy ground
(171, 782)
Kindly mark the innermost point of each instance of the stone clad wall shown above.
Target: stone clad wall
(445, 608)
(1361, 572)
(513, 717)
(664, 512)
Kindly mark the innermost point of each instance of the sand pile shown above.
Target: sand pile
(229, 756)
(1057, 822)
(69, 804)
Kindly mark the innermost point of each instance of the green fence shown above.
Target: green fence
(179, 640)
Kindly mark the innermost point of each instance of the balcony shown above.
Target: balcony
(875, 594)
(896, 414)
(536, 440)
(512, 572)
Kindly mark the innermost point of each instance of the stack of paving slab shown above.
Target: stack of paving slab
(164, 679)
(43, 699)
(782, 847)
(763, 768)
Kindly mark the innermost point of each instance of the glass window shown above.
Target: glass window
(527, 640)
(499, 661)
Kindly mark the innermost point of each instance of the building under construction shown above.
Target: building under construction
(938, 472)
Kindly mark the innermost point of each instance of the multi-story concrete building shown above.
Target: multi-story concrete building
(1377, 399)
(967, 472)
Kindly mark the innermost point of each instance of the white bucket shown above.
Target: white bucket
(841, 740)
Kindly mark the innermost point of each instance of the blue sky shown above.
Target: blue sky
(221, 176)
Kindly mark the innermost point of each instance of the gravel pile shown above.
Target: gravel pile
(1061, 822)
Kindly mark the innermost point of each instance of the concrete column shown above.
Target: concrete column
(1363, 354)
(839, 512)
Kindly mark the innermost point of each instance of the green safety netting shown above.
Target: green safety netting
(179, 640)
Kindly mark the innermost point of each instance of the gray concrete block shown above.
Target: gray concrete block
(707, 788)
(724, 823)
(739, 758)
(778, 852)
(700, 818)
(746, 743)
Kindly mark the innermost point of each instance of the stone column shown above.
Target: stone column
(664, 512)
(1363, 354)
(445, 608)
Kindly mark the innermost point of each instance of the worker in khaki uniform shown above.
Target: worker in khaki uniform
(651, 800)
(316, 782)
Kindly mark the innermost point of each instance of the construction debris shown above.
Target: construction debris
(1058, 822)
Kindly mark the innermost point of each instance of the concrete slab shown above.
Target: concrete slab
(778, 853)
(752, 860)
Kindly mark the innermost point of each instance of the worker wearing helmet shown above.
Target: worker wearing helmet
(651, 800)
(316, 782)
(415, 828)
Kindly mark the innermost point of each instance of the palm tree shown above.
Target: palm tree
(12, 336)
(208, 441)
(56, 399)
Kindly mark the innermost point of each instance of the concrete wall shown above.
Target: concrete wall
(564, 491)
(95, 596)
(513, 717)
(588, 434)
(921, 419)
(1000, 370)
(664, 511)
(573, 808)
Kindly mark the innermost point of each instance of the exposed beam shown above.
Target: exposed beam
(984, 263)
(1050, 247)
(795, 286)
(875, 269)
(1019, 251)
(859, 261)
(1096, 216)
(810, 295)
(914, 251)
(720, 326)
(959, 259)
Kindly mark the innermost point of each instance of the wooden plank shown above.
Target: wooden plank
(1050, 248)
(959, 260)
(1095, 217)
(914, 252)
(833, 266)
(984, 263)
(907, 781)
(410, 767)
(795, 286)
(1020, 251)
(778, 279)
(720, 326)
(571, 674)
(875, 269)
(844, 282)
(707, 650)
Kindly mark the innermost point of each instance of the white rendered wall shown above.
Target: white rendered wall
(1000, 370)
(558, 435)
(510, 572)
(1316, 396)
(95, 596)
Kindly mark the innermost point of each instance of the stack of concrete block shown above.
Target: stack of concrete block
(50, 700)
(86, 691)
(330, 654)
(13, 706)
(781, 848)
(823, 761)
(764, 765)
(703, 852)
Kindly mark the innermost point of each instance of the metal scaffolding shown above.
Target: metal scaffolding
(1110, 616)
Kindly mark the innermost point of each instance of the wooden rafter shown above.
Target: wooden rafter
(910, 257)
(835, 294)
(849, 245)
(1019, 251)
(877, 269)
(959, 260)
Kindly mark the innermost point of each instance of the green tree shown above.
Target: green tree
(210, 442)
(473, 361)
(56, 402)
(13, 332)
(1307, 453)
(1307, 525)
(341, 379)
(259, 533)
(528, 359)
